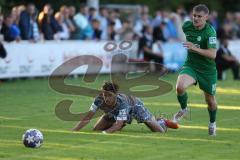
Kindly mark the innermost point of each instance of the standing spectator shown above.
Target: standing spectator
(144, 21)
(103, 19)
(72, 12)
(92, 14)
(158, 32)
(16, 11)
(225, 60)
(48, 24)
(84, 29)
(97, 32)
(111, 34)
(64, 34)
(28, 23)
(115, 17)
(9, 30)
(213, 19)
(157, 19)
(65, 12)
(127, 31)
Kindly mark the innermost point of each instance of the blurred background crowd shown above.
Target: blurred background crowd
(147, 23)
(27, 22)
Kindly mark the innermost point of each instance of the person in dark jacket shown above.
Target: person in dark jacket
(225, 60)
(28, 24)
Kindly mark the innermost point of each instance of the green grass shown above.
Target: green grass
(30, 103)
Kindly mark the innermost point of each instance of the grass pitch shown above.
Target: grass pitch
(30, 103)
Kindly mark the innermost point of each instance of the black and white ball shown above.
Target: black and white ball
(32, 138)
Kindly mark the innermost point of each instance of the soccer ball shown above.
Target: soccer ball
(32, 138)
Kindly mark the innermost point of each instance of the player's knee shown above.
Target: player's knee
(212, 104)
(180, 89)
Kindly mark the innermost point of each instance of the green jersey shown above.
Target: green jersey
(204, 39)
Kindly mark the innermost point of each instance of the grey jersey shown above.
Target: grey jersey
(122, 109)
(127, 108)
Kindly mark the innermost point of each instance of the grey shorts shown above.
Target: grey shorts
(141, 113)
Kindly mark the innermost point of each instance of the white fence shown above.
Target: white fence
(40, 59)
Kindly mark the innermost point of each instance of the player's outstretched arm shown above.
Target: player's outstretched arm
(115, 127)
(84, 121)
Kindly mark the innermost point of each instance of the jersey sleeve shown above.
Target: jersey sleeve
(96, 104)
(212, 39)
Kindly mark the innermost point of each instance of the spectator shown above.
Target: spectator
(141, 23)
(1, 24)
(84, 29)
(48, 24)
(103, 19)
(28, 24)
(126, 32)
(115, 17)
(72, 12)
(97, 32)
(158, 32)
(145, 47)
(16, 11)
(181, 11)
(225, 60)
(92, 14)
(9, 30)
(64, 34)
(157, 19)
(237, 25)
(213, 19)
(112, 35)
(65, 12)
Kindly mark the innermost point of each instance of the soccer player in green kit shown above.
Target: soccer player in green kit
(200, 65)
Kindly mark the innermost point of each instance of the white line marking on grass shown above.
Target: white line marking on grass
(194, 105)
(131, 136)
(220, 90)
(205, 128)
(9, 118)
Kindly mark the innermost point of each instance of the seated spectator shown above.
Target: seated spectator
(145, 48)
(225, 60)
(9, 30)
(28, 24)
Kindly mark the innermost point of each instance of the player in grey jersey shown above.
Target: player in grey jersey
(120, 109)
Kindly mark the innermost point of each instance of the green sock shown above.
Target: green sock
(182, 99)
(212, 115)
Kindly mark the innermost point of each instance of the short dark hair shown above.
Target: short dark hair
(200, 8)
(109, 86)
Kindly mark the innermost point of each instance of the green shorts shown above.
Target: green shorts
(207, 81)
